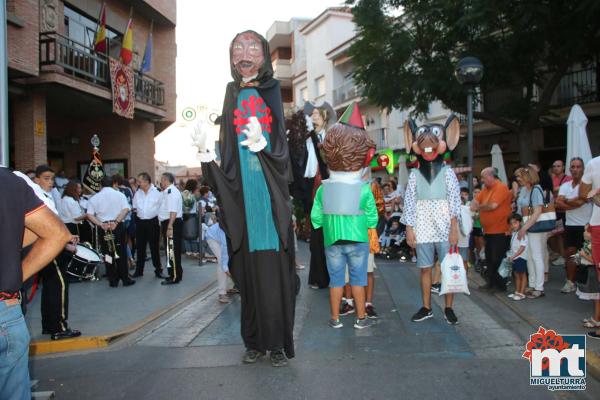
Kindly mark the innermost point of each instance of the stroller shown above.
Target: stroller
(393, 240)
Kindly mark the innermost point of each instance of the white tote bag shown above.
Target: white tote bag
(454, 276)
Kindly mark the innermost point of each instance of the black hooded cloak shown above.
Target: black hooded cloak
(266, 278)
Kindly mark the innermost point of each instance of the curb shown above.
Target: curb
(42, 347)
(592, 358)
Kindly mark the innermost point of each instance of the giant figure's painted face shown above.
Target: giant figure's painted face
(247, 54)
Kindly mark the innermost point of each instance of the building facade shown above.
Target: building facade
(321, 71)
(59, 87)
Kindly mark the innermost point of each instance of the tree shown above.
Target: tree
(406, 52)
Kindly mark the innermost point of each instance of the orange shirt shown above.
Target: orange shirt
(495, 221)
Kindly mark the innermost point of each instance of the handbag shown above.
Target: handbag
(546, 222)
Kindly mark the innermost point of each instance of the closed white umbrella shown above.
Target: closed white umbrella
(578, 144)
(498, 163)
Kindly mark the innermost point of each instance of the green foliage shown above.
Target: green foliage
(407, 50)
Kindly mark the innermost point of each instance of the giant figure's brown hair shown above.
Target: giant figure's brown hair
(346, 147)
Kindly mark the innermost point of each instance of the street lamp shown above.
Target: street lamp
(468, 72)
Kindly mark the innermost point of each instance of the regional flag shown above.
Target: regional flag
(147, 60)
(100, 39)
(127, 47)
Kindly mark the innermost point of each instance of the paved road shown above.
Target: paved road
(195, 354)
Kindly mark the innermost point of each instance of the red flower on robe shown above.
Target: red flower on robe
(252, 107)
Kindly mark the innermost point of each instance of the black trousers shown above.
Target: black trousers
(175, 271)
(496, 246)
(117, 268)
(55, 294)
(147, 231)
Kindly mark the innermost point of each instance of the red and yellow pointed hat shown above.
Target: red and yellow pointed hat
(352, 117)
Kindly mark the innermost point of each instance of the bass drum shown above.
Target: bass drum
(84, 263)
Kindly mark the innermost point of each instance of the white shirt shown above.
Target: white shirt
(515, 244)
(147, 204)
(581, 215)
(107, 204)
(592, 176)
(312, 163)
(69, 210)
(172, 201)
(39, 192)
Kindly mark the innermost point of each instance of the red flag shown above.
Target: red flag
(100, 40)
(127, 47)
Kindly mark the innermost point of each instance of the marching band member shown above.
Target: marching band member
(171, 224)
(146, 203)
(107, 209)
(55, 288)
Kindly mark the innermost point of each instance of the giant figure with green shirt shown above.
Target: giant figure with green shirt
(345, 208)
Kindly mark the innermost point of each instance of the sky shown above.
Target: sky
(204, 32)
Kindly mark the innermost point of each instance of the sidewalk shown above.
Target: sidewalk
(558, 311)
(103, 313)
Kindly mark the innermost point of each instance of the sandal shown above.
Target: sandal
(591, 323)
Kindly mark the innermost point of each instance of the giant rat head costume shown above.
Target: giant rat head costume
(347, 146)
(430, 141)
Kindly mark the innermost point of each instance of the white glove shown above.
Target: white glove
(309, 123)
(206, 147)
(254, 137)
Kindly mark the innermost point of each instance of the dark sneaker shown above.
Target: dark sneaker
(363, 323)
(335, 323)
(436, 287)
(450, 316)
(251, 356)
(593, 335)
(422, 315)
(346, 309)
(278, 358)
(371, 312)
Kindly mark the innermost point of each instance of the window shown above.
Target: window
(320, 83)
(82, 29)
(304, 94)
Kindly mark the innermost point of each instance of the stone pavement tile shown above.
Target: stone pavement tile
(97, 309)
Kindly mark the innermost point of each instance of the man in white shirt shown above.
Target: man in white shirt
(578, 212)
(146, 203)
(170, 215)
(107, 209)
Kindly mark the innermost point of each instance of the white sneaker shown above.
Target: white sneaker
(413, 259)
(559, 261)
(511, 295)
(569, 287)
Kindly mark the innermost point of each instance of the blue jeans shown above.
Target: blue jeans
(14, 354)
(355, 255)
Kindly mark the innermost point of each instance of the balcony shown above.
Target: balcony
(379, 136)
(578, 87)
(345, 93)
(282, 70)
(58, 51)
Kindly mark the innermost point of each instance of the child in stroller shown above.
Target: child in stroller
(393, 239)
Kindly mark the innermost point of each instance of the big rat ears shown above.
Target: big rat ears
(452, 128)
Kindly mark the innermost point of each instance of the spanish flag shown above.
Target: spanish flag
(127, 47)
(100, 40)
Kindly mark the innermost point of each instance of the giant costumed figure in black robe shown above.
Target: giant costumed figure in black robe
(251, 185)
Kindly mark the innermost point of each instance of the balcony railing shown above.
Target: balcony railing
(578, 87)
(83, 62)
(346, 92)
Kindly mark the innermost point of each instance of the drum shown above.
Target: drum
(84, 262)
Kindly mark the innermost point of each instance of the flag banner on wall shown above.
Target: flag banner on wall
(123, 94)
(92, 179)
